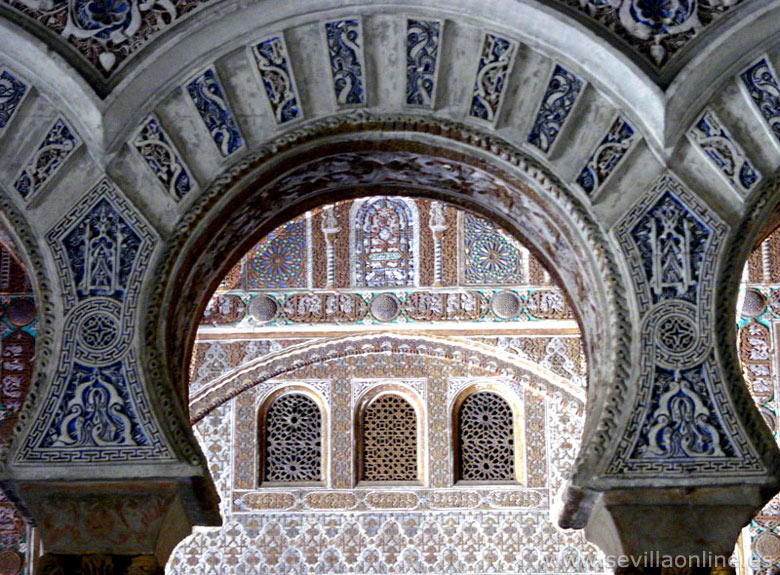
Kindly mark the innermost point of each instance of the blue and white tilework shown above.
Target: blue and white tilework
(273, 66)
(345, 51)
(559, 99)
(492, 74)
(12, 92)
(711, 137)
(96, 409)
(156, 149)
(763, 86)
(615, 145)
(422, 57)
(57, 146)
(209, 99)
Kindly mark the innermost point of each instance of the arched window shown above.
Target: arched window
(389, 440)
(291, 440)
(385, 250)
(485, 448)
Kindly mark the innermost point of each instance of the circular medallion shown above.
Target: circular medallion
(506, 305)
(674, 329)
(676, 334)
(21, 311)
(263, 308)
(385, 307)
(98, 331)
(10, 562)
(767, 546)
(754, 303)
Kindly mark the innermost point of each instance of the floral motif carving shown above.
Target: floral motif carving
(712, 138)
(492, 75)
(607, 155)
(763, 86)
(558, 101)
(422, 56)
(57, 146)
(273, 65)
(209, 99)
(159, 154)
(345, 50)
(12, 93)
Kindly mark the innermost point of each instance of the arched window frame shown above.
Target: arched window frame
(516, 405)
(363, 402)
(353, 225)
(262, 422)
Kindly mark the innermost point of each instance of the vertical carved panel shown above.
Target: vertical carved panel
(57, 146)
(273, 66)
(490, 84)
(209, 99)
(422, 55)
(607, 155)
(559, 99)
(385, 242)
(344, 39)
(159, 154)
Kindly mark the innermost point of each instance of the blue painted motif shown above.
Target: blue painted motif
(12, 92)
(607, 156)
(96, 411)
(657, 29)
(274, 68)
(101, 251)
(672, 242)
(209, 99)
(559, 99)
(682, 421)
(345, 49)
(764, 88)
(490, 257)
(422, 53)
(161, 157)
(492, 73)
(713, 139)
(57, 146)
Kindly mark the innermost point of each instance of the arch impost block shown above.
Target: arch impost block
(146, 516)
(655, 522)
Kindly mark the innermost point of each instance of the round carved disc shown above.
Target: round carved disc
(505, 304)
(385, 307)
(10, 562)
(768, 547)
(263, 308)
(753, 304)
(21, 311)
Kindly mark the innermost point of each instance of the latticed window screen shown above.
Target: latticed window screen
(389, 440)
(293, 439)
(486, 438)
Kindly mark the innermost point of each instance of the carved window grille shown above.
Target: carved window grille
(486, 445)
(390, 440)
(293, 440)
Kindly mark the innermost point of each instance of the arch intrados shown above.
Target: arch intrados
(503, 184)
(256, 209)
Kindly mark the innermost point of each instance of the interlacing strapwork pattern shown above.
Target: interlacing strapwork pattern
(293, 439)
(486, 443)
(389, 440)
